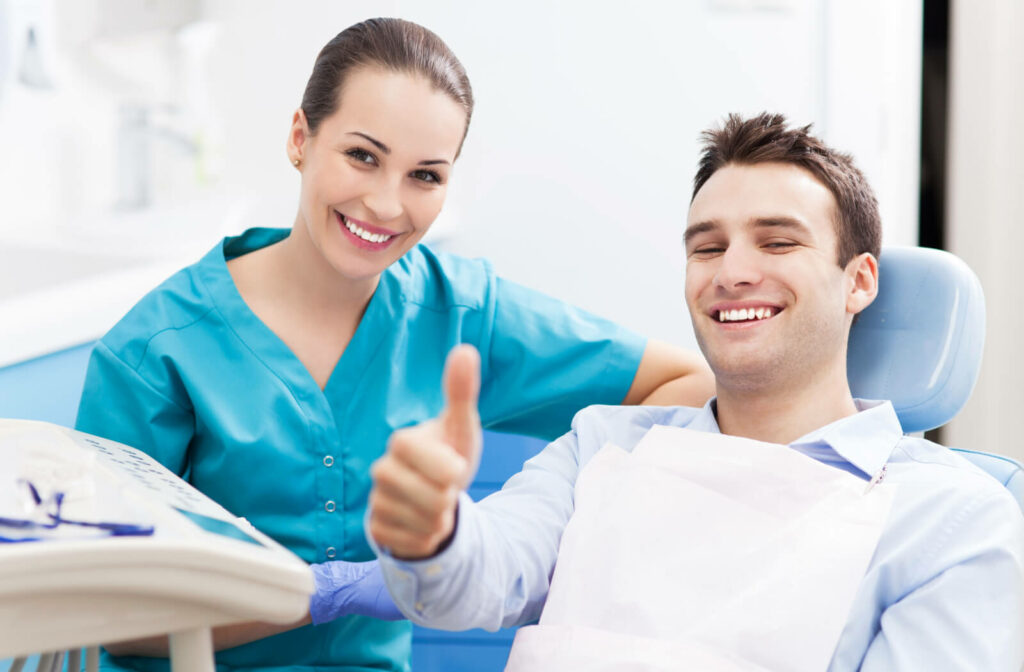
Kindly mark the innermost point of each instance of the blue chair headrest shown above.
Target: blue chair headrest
(920, 343)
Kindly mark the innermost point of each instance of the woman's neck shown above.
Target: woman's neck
(310, 281)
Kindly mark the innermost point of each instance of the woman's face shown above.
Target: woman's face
(375, 175)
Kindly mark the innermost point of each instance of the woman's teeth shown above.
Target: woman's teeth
(363, 233)
(744, 314)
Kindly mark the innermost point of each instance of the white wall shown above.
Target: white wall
(985, 207)
(577, 171)
(576, 174)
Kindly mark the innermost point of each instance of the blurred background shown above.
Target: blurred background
(135, 133)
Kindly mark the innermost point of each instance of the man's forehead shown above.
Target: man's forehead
(758, 194)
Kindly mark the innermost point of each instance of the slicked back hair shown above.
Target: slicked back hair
(392, 44)
(767, 139)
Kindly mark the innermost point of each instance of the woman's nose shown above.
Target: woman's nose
(384, 199)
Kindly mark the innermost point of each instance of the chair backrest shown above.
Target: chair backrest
(920, 344)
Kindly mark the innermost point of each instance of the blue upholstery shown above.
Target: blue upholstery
(919, 344)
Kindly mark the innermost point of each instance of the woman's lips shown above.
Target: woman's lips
(365, 236)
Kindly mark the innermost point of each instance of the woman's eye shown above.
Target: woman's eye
(427, 176)
(362, 156)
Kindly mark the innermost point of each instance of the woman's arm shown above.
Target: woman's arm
(670, 376)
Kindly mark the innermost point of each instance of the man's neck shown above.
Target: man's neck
(782, 415)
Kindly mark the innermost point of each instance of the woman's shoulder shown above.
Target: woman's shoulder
(177, 303)
(441, 279)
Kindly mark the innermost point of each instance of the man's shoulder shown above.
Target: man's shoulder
(936, 479)
(624, 426)
(924, 460)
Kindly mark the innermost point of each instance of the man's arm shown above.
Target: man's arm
(968, 615)
(670, 376)
(451, 563)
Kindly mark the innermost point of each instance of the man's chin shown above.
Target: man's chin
(745, 374)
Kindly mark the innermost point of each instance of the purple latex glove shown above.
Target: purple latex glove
(350, 589)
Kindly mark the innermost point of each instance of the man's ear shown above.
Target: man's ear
(862, 273)
(298, 136)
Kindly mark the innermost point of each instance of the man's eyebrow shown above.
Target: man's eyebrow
(782, 222)
(697, 229)
(387, 150)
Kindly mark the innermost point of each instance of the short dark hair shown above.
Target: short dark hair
(766, 138)
(394, 44)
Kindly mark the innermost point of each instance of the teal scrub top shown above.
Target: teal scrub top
(191, 376)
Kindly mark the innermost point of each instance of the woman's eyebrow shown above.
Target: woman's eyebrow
(377, 143)
(387, 150)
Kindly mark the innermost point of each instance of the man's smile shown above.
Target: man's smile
(746, 311)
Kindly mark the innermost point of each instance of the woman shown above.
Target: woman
(273, 370)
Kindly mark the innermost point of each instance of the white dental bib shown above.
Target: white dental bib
(700, 551)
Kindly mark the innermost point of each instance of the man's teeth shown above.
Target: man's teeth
(736, 315)
(363, 233)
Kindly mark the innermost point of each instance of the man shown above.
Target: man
(784, 526)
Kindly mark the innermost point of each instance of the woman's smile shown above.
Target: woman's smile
(363, 234)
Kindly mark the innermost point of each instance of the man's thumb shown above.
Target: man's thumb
(461, 391)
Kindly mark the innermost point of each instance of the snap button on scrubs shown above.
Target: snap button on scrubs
(192, 376)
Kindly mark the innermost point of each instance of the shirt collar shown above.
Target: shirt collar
(705, 420)
(865, 439)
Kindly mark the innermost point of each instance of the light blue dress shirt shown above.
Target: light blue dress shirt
(195, 379)
(944, 590)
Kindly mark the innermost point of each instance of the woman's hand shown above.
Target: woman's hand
(416, 484)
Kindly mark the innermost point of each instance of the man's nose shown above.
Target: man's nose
(738, 266)
(384, 198)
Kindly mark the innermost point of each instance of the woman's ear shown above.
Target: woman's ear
(298, 137)
(862, 272)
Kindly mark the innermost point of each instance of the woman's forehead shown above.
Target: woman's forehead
(404, 111)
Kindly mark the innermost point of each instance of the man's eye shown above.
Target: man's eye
(362, 156)
(780, 244)
(708, 250)
(427, 176)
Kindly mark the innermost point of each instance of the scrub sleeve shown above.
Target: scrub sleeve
(191, 376)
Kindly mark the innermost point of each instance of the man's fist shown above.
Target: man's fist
(416, 484)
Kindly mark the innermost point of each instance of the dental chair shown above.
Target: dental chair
(919, 344)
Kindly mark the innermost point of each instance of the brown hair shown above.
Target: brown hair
(394, 44)
(765, 138)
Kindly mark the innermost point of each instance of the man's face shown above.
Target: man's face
(769, 303)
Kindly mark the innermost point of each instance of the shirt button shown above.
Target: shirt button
(331, 552)
(329, 506)
(419, 607)
(328, 461)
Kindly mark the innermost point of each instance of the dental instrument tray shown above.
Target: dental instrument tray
(104, 544)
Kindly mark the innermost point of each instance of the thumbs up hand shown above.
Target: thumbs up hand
(416, 484)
